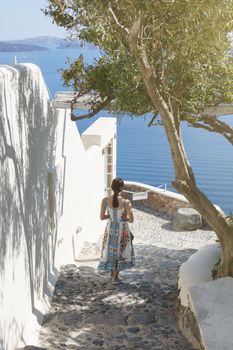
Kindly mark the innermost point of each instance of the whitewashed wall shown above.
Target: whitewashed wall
(84, 185)
(49, 185)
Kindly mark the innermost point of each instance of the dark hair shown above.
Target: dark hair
(117, 187)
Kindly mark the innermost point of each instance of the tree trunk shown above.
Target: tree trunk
(226, 263)
(185, 181)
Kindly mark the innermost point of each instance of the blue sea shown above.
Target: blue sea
(143, 153)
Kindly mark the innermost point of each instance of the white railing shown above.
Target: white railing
(165, 186)
(142, 195)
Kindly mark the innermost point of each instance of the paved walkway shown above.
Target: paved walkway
(87, 313)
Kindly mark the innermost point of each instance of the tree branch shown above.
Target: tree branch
(151, 122)
(134, 42)
(94, 111)
(123, 29)
(151, 79)
(212, 124)
(154, 86)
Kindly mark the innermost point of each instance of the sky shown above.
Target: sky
(21, 19)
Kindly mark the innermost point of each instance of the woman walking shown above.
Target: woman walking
(117, 249)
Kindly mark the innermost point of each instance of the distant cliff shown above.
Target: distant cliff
(15, 47)
(48, 42)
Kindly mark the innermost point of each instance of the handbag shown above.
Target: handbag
(131, 235)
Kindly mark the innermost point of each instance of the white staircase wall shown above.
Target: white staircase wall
(49, 185)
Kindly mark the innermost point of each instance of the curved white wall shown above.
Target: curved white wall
(49, 185)
(27, 138)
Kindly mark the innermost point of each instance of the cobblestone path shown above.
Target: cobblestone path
(87, 313)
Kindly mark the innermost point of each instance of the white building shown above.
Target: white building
(52, 180)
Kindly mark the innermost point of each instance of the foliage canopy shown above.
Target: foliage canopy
(186, 42)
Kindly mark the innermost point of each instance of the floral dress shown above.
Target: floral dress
(117, 248)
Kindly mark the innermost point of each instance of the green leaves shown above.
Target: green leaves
(186, 42)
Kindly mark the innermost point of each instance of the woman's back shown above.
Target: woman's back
(115, 214)
(117, 249)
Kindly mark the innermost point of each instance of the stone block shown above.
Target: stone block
(211, 303)
(187, 219)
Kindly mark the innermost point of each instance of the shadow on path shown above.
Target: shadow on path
(89, 313)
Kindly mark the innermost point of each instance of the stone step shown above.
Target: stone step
(211, 303)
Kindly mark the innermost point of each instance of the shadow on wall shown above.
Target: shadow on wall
(27, 151)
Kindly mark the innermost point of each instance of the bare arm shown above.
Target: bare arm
(129, 211)
(103, 215)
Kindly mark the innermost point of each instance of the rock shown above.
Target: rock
(131, 321)
(187, 219)
(60, 284)
(98, 342)
(47, 317)
(32, 347)
(71, 318)
(133, 329)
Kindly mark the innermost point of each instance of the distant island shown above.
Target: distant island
(41, 43)
(9, 47)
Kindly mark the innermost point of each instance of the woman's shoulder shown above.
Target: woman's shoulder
(105, 201)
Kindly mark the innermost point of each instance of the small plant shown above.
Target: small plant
(230, 218)
(215, 269)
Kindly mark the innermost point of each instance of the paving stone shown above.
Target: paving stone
(89, 314)
(98, 342)
(133, 329)
(31, 347)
